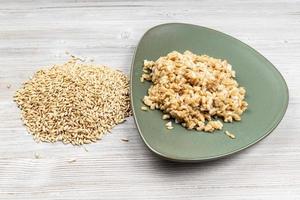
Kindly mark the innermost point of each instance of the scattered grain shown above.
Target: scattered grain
(37, 156)
(169, 124)
(144, 108)
(125, 140)
(72, 161)
(84, 147)
(166, 116)
(231, 135)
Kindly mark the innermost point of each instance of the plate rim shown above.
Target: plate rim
(219, 156)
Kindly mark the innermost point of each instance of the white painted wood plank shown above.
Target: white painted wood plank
(37, 33)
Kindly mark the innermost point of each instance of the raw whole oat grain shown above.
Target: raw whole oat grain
(74, 102)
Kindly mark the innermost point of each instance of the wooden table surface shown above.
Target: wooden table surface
(37, 33)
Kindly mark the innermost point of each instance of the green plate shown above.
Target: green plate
(267, 94)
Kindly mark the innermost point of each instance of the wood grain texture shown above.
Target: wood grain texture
(37, 33)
